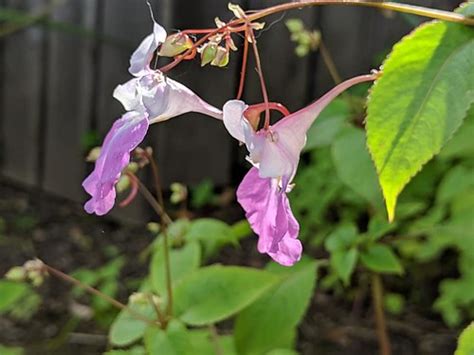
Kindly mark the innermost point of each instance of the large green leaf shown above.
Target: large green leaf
(217, 292)
(420, 100)
(265, 324)
(182, 262)
(354, 167)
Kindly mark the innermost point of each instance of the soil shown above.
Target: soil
(61, 234)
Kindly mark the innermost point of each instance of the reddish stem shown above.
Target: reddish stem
(131, 196)
(243, 71)
(260, 74)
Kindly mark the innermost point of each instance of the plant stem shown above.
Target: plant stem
(377, 297)
(329, 62)
(243, 71)
(61, 275)
(260, 75)
(169, 289)
(404, 8)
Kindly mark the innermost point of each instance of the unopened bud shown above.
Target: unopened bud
(175, 44)
(208, 53)
(93, 155)
(16, 273)
(222, 57)
(236, 10)
(153, 227)
(179, 193)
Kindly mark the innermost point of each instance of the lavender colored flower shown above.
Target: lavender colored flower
(275, 154)
(150, 97)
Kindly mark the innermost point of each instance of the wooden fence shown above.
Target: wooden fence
(56, 83)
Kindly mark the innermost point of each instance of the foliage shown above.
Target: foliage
(466, 341)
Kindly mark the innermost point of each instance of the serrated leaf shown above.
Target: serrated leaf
(354, 167)
(182, 262)
(265, 324)
(380, 258)
(421, 99)
(462, 144)
(217, 292)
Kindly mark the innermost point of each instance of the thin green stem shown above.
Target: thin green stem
(169, 289)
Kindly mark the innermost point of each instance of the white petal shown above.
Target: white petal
(140, 59)
(127, 94)
(233, 117)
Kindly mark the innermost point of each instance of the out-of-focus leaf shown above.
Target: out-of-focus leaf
(381, 258)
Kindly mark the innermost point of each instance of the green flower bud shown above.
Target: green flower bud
(175, 44)
(222, 57)
(208, 53)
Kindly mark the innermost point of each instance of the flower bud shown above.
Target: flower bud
(208, 53)
(222, 57)
(16, 273)
(175, 44)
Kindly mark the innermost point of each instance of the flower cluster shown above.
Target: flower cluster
(274, 150)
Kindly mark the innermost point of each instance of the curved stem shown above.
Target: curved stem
(243, 71)
(59, 274)
(393, 6)
(260, 75)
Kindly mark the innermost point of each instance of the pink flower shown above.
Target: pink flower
(275, 154)
(149, 97)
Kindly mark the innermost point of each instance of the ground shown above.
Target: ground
(61, 234)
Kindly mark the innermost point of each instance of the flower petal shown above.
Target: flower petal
(127, 94)
(268, 211)
(124, 136)
(140, 59)
(233, 117)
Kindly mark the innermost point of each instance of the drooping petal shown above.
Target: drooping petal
(140, 60)
(124, 136)
(268, 211)
(233, 117)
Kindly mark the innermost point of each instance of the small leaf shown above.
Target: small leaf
(126, 328)
(217, 292)
(380, 258)
(213, 234)
(342, 238)
(466, 341)
(10, 293)
(419, 101)
(265, 324)
(344, 262)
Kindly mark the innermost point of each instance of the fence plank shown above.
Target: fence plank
(22, 83)
(70, 82)
(287, 76)
(195, 147)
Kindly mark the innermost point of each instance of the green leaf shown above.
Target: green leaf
(4, 350)
(126, 328)
(380, 258)
(265, 324)
(466, 341)
(182, 262)
(328, 124)
(354, 167)
(217, 292)
(213, 234)
(136, 350)
(455, 181)
(344, 262)
(342, 238)
(420, 100)
(172, 341)
(11, 292)
(462, 144)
